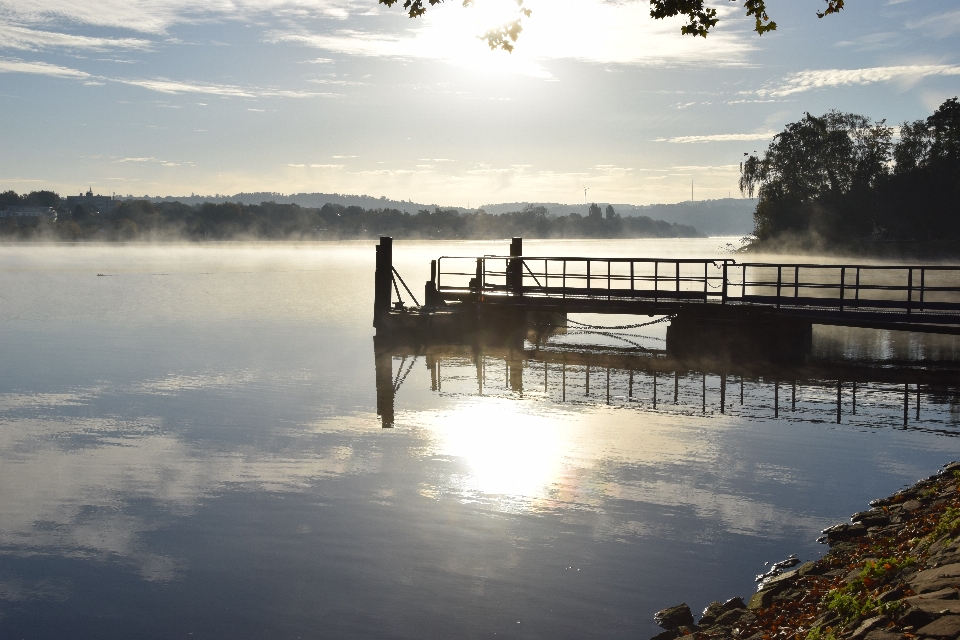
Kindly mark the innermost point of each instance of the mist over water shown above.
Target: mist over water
(189, 444)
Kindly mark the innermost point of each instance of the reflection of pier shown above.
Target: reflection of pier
(652, 381)
(718, 308)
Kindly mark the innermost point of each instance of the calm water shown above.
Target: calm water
(189, 447)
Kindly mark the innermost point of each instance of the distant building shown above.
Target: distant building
(102, 204)
(29, 212)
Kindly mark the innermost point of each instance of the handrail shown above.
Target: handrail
(844, 288)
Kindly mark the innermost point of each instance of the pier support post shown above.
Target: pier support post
(385, 390)
(383, 280)
(515, 268)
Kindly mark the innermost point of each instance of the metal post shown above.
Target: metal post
(723, 393)
(776, 399)
(478, 279)
(856, 291)
(563, 284)
(654, 388)
(546, 376)
(703, 393)
(743, 284)
(631, 275)
(839, 390)
(918, 401)
(630, 385)
(723, 288)
(793, 397)
(608, 385)
(563, 374)
(909, 296)
(676, 386)
(587, 391)
(796, 282)
(656, 280)
(854, 398)
(843, 281)
(779, 270)
(588, 275)
(906, 400)
(678, 276)
(922, 283)
(704, 280)
(608, 279)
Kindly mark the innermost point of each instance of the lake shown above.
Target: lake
(190, 447)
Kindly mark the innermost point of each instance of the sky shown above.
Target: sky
(170, 97)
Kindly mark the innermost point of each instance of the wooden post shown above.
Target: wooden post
(383, 280)
(515, 270)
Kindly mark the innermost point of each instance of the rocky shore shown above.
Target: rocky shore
(892, 573)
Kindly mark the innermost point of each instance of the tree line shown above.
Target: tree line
(840, 179)
(132, 220)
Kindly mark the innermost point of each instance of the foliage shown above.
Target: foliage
(144, 220)
(948, 523)
(817, 633)
(840, 176)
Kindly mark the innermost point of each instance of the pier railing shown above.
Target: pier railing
(927, 293)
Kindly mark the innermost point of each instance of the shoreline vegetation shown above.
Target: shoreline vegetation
(841, 183)
(892, 573)
(143, 220)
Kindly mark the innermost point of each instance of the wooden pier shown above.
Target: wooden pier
(747, 308)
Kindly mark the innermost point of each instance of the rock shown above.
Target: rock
(938, 607)
(666, 635)
(844, 532)
(711, 613)
(734, 603)
(732, 617)
(811, 569)
(880, 634)
(950, 467)
(911, 505)
(672, 618)
(914, 617)
(761, 599)
(936, 578)
(866, 627)
(947, 626)
(891, 595)
(943, 594)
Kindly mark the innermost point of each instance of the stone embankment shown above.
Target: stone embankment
(892, 573)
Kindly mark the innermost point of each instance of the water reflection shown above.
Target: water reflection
(856, 391)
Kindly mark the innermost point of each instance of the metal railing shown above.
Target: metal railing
(924, 292)
(575, 277)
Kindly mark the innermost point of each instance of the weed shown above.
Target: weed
(821, 634)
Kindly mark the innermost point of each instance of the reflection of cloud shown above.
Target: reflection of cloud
(73, 485)
(532, 460)
(827, 78)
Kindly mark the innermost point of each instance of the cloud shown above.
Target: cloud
(588, 30)
(13, 37)
(721, 137)
(827, 78)
(941, 25)
(157, 16)
(160, 85)
(13, 65)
